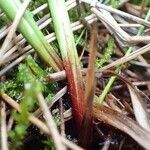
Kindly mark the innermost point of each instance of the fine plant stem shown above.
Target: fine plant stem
(50, 123)
(118, 70)
(4, 143)
(79, 38)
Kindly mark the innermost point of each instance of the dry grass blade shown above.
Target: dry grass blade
(107, 143)
(63, 91)
(123, 14)
(28, 27)
(87, 125)
(61, 111)
(139, 105)
(4, 143)
(122, 37)
(14, 26)
(127, 58)
(57, 76)
(50, 123)
(14, 63)
(139, 109)
(124, 124)
(116, 11)
(38, 123)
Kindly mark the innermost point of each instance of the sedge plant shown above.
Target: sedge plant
(69, 55)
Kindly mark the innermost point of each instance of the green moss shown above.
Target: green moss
(107, 54)
(115, 3)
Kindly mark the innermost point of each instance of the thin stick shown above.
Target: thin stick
(14, 63)
(115, 29)
(57, 76)
(61, 111)
(50, 123)
(58, 95)
(127, 57)
(4, 143)
(121, 13)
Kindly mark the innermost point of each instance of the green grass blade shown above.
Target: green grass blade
(69, 55)
(32, 33)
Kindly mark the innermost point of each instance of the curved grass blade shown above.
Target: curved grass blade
(123, 123)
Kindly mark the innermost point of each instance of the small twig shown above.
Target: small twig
(141, 83)
(129, 25)
(123, 14)
(62, 126)
(58, 76)
(58, 95)
(127, 58)
(4, 143)
(50, 123)
(14, 63)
